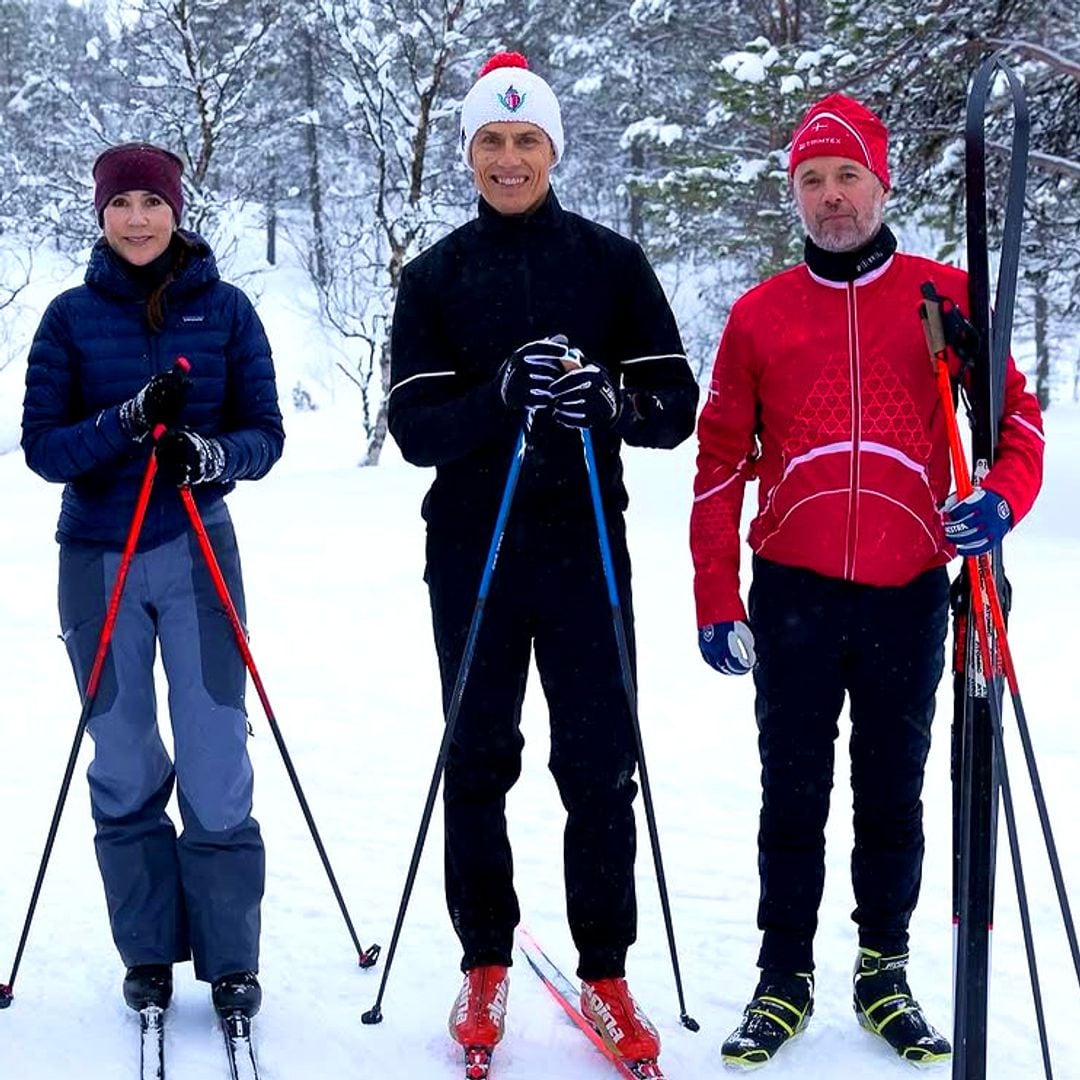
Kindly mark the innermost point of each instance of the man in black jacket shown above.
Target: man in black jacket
(482, 331)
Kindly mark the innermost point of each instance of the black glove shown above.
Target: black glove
(584, 397)
(185, 457)
(527, 374)
(158, 402)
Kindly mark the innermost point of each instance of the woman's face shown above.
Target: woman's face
(138, 226)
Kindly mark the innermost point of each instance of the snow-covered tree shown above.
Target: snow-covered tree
(395, 68)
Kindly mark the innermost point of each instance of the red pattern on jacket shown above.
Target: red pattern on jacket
(825, 393)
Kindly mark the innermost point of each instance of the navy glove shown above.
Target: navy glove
(978, 523)
(584, 397)
(728, 647)
(185, 457)
(158, 402)
(527, 374)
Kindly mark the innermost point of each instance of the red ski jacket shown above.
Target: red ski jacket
(825, 392)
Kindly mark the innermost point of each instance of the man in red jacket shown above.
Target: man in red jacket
(823, 390)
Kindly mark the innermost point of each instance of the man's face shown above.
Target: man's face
(839, 200)
(511, 162)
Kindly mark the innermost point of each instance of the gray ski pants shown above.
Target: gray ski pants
(198, 894)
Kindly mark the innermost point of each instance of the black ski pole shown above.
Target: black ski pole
(93, 684)
(631, 700)
(1021, 887)
(365, 957)
(374, 1014)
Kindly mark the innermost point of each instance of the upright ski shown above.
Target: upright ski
(978, 692)
(236, 1029)
(152, 1043)
(562, 990)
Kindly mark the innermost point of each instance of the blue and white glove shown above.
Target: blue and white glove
(584, 397)
(728, 647)
(978, 523)
(527, 374)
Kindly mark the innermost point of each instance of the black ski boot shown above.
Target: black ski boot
(237, 993)
(885, 1007)
(148, 984)
(780, 1009)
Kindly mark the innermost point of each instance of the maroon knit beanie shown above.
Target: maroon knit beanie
(138, 167)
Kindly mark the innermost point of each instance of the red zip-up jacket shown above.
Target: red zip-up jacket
(825, 392)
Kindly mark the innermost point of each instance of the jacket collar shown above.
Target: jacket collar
(547, 215)
(108, 273)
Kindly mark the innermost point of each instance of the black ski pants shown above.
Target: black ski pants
(818, 638)
(547, 597)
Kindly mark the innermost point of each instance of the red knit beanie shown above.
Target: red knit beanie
(138, 167)
(838, 126)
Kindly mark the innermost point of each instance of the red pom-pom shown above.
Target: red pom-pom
(504, 60)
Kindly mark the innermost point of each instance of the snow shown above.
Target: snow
(341, 634)
(744, 66)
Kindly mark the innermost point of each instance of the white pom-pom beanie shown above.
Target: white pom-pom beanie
(507, 90)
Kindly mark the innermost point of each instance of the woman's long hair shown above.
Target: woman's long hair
(182, 249)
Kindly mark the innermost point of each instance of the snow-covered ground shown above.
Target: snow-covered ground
(341, 634)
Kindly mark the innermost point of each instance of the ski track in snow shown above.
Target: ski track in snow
(341, 634)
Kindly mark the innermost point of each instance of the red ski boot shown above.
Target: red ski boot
(478, 1017)
(609, 1006)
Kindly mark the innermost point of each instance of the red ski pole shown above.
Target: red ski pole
(365, 957)
(984, 593)
(7, 990)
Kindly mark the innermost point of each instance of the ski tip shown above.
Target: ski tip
(7, 996)
(369, 957)
(689, 1022)
(646, 1069)
(477, 1062)
(372, 1016)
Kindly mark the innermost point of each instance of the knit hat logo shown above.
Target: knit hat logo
(512, 100)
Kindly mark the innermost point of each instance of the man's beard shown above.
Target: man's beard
(853, 236)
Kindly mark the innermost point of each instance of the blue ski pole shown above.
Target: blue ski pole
(631, 701)
(374, 1014)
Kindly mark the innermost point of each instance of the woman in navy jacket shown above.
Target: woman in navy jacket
(101, 377)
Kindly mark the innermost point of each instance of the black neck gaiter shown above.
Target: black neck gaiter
(850, 265)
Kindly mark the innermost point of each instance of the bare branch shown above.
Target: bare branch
(1032, 51)
(1048, 162)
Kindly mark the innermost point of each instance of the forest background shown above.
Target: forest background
(329, 130)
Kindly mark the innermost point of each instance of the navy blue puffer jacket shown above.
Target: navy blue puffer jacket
(94, 349)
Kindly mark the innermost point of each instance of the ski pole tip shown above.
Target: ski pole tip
(372, 1016)
(369, 957)
(689, 1022)
(6, 996)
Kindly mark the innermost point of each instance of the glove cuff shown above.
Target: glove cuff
(132, 422)
(213, 460)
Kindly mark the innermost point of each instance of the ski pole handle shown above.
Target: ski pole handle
(934, 330)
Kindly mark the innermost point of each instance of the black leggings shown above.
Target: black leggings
(547, 595)
(818, 638)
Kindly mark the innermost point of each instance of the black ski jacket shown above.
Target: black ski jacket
(492, 285)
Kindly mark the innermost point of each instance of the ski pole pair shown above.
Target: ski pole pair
(374, 1014)
(366, 957)
(995, 656)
